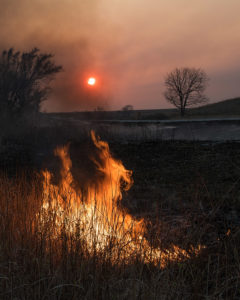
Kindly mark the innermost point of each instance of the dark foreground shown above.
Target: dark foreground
(187, 192)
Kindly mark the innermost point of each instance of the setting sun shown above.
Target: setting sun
(91, 81)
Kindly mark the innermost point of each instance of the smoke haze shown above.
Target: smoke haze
(128, 45)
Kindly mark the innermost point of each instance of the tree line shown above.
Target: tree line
(25, 78)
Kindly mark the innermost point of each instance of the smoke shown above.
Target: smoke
(66, 29)
(129, 45)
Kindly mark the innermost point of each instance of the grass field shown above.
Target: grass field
(187, 193)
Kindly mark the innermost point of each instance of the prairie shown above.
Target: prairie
(186, 192)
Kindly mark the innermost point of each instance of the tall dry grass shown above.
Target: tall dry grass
(34, 264)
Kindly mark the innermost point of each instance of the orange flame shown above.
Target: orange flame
(96, 211)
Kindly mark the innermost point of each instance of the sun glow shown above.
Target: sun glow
(91, 81)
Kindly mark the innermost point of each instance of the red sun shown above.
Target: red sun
(91, 81)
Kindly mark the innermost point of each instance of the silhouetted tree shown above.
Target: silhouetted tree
(24, 79)
(100, 108)
(127, 107)
(185, 87)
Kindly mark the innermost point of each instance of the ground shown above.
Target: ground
(186, 191)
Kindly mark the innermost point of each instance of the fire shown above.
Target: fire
(96, 211)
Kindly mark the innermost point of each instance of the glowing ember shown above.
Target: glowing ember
(95, 212)
(91, 81)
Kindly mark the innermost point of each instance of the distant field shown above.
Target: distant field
(225, 109)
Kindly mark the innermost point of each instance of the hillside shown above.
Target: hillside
(224, 109)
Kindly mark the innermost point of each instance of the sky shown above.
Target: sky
(128, 45)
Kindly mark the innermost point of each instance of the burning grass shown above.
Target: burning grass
(62, 240)
(95, 211)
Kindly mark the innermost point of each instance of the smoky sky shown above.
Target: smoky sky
(129, 45)
(63, 28)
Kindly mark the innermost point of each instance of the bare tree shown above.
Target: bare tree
(100, 108)
(185, 87)
(24, 79)
(127, 107)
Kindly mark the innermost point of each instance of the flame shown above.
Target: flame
(96, 211)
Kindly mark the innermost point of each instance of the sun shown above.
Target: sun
(91, 81)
